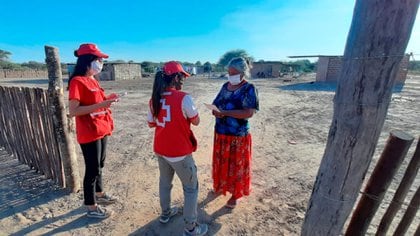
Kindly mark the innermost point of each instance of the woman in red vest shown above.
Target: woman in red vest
(237, 101)
(90, 106)
(171, 113)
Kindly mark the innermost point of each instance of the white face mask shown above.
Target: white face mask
(234, 79)
(96, 67)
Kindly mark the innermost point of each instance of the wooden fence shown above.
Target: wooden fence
(27, 131)
(373, 195)
(34, 127)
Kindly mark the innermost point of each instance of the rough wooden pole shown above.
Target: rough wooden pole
(63, 135)
(388, 164)
(376, 43)
(409, 214)
(409, 177)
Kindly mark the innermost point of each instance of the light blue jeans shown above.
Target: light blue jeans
(187, 173)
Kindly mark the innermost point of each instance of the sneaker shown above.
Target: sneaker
(99, 212)
(199, 229)
(106, 199)
(164, 218)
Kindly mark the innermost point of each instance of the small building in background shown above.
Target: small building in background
(329, 68)
(115, 71)
(120, 71)
(273, 69)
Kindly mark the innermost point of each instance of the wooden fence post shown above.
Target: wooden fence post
(64, 138)
(409, 177)
(409, 214)
(376, 44)
(388, 164)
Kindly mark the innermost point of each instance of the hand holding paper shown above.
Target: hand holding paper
(212, 107)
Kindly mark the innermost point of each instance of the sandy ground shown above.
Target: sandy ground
(289, 137)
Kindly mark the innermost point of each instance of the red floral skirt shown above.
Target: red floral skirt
(232, 164)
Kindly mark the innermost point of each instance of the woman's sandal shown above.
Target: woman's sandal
(231, 203)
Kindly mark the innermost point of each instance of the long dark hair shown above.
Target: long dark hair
(82, 65)
(161, 83)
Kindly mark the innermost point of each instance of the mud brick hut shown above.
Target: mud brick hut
(272, 69)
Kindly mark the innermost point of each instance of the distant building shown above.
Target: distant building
(192, 70)
(116, 71)
(329, 67)
(272, 69)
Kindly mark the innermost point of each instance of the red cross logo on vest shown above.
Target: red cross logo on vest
(165, 118)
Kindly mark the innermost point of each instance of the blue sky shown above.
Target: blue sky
(179, 30)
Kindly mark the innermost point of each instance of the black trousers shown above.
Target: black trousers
(94, 154)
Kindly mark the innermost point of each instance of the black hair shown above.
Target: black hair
(82, 65)
(161, 83)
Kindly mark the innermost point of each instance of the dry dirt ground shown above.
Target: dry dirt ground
(289, 137)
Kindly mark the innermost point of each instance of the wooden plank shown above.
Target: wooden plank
(406, 182)
(388, 164)
(51, 140)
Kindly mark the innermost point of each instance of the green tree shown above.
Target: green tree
(224, 60)
(304, 65)
(414, 66)
(186, 63)
(207, 67)
(148, 66)
(9, 65)
(34, 65)
(4, 55)
(198, 63)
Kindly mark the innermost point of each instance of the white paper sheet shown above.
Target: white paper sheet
(212, 107)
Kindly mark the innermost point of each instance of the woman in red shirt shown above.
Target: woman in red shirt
(90, 106)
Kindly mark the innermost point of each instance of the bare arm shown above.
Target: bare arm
(195, 121)
(75, 109)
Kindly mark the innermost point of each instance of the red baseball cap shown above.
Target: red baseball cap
(90, 48)
(174, 67)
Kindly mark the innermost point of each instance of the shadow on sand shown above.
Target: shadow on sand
(80, 222)
(22, 188)
(154, 227)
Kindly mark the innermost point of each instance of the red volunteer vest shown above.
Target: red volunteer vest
(173, 136)
(97, 124)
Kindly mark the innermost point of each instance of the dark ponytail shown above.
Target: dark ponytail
(162, 81)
